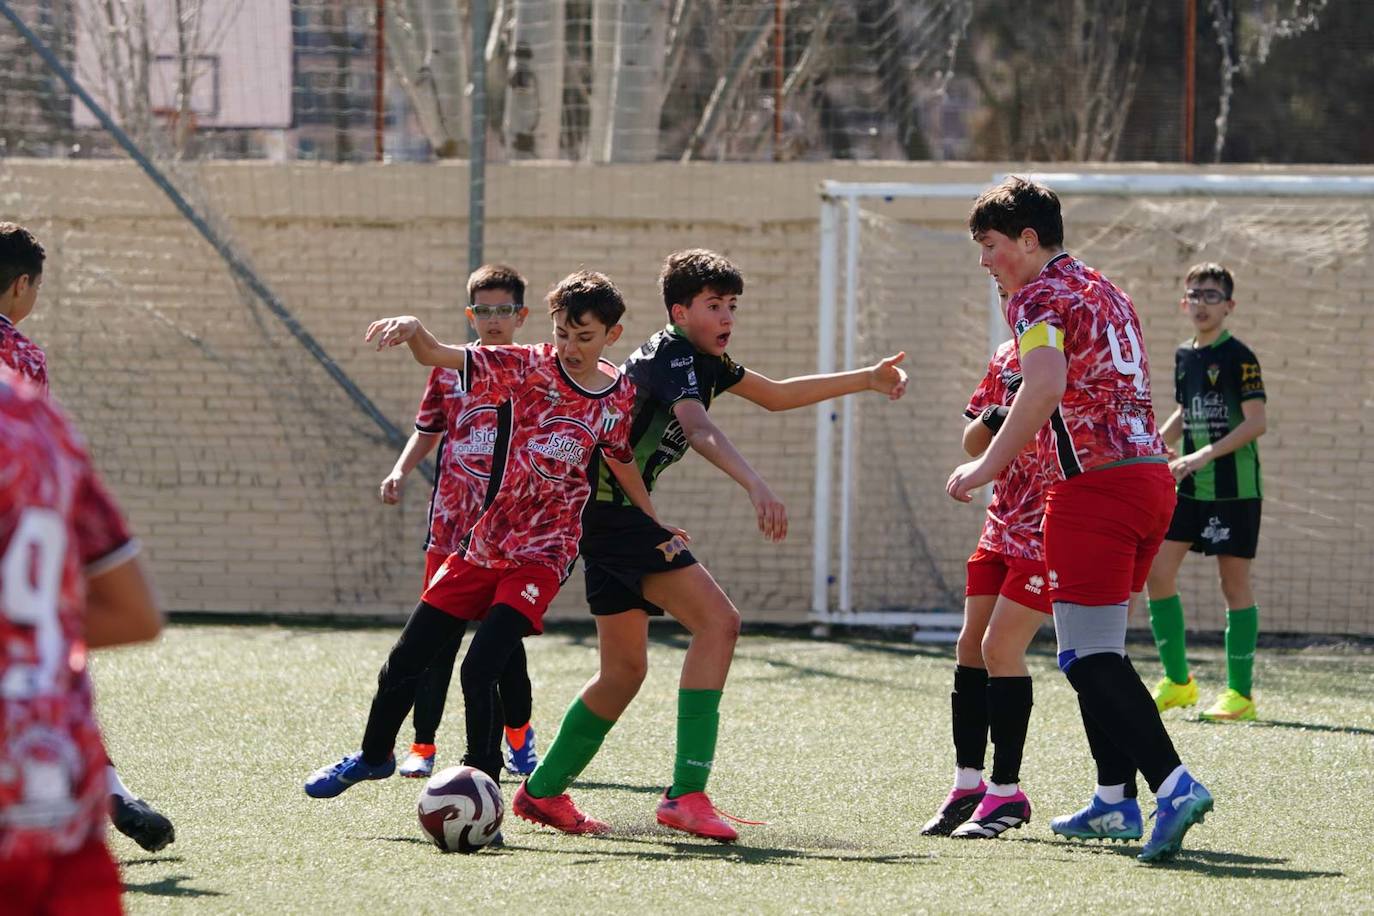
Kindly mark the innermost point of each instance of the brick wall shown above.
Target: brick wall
(252, 480)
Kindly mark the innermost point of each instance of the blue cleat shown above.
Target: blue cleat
(520, 755)
(1187, 805)
(327, 782)
(1102, 821)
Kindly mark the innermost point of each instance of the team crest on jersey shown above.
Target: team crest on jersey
(1213, 373)
(610, 417)
(552, 395)
(1022, 326)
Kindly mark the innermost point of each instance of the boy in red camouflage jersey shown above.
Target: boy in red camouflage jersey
(1085, 400)
(559, 404)
(69, 581)
(1007, 600)
(21, 277)
(463, 426)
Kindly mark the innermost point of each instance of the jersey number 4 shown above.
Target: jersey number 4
(30, 584)
(1132, 367)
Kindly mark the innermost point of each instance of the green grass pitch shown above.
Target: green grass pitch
(843, 747)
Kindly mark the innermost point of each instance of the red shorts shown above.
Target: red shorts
(1014, 578)
(468, 592)
(433, 560)
(81, 883)
(1103, 529)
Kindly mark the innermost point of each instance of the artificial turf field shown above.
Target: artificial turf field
(843, 747)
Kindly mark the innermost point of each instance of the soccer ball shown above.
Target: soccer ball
(461, 809)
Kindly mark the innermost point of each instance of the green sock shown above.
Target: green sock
(698, 722)
(578, 740)
(1242, 633)
(1166, 620)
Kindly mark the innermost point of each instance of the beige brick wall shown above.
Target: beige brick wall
(252, 480)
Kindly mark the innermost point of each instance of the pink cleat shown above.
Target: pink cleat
(693, 813)
(557, 811)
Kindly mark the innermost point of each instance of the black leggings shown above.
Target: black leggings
(428, 632)
(517, 699)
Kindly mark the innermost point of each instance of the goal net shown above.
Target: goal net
(898, 271)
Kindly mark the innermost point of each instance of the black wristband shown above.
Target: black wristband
(993, 417)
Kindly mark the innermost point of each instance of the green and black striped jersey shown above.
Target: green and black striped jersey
(665, 369)
(1210, 383)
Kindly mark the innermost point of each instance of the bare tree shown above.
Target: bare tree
(629, 44)
(532, 125)
(429, 55)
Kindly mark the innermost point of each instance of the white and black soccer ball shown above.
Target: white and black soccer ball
(461, 809)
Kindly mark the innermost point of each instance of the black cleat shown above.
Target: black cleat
(957, 808)
(137, 820)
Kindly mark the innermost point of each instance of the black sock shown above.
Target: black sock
(516, 693)
(1009, 709)
(1114, 767)
(1111, 691)
(432, 694)
(488, 654)
(969, 708)
(426, 632)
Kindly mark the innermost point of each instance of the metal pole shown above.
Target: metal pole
(825, 412)
(379, 97)
(779, 37)
(851, 310)
(477, 143)
(237, 265)
(1189, 78)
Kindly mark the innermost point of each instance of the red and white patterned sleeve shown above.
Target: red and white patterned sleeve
(103, 540)
(430, 417)
(990, 390)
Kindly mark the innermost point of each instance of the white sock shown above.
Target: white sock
(1170, 782)
(1111, 795)
(1003, 791)
(116, 784)
(967, 778)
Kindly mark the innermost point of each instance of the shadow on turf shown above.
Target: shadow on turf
(1307, 727)
(670, 849)
(169, 886)
(1203, 861)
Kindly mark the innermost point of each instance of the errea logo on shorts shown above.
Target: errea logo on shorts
(1035, 584)
(530, 593)
(1054, 580)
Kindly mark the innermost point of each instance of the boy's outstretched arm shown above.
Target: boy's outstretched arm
(1249, 429)
(626, 474)
(885, 376)
(417, 449)
(120, 606)
(427, 350)
(704, 437)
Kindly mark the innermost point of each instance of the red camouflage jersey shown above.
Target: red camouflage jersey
(1017, 510)
(22, 355)
(1106, 415)
(468, 425)
(58, 526)
(548, 428)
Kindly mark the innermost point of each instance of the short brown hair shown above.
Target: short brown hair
(497, 276)
(1210, 270)
(20, 255)
(586, 292)
(686, 273)
(1015, 205)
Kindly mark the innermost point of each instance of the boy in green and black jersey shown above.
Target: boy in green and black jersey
(1220, 392)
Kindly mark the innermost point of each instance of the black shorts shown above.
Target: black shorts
(1226, 527)
(621, 545)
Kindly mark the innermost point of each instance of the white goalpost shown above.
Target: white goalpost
(854, 302)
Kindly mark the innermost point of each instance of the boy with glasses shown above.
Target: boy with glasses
(463, 426)
(1220, 393)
